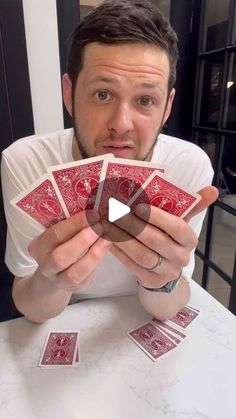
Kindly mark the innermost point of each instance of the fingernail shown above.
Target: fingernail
(98, 228)
(92, 216)
(105, 226)
(142, 210)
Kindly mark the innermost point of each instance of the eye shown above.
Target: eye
(102, 95)
(146, 101)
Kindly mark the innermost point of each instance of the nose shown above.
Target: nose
(121, 119)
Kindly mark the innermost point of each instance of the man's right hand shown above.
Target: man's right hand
(67, 255)
(68, 252)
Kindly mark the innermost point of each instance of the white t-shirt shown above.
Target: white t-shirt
(28, 158)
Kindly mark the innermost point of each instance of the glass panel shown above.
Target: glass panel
(197, 273)
(223, 243)
(218, 288)
(211, 90)
(231, 96)
(164, 6)
(216, 24)
(228, 171)
(86, 5)
(90, 3)
(234, 29)
(207, 141)
(202, 237)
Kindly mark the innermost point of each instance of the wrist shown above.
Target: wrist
(37, 298)
(168, 287)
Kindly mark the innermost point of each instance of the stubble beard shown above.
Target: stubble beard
(85, 153)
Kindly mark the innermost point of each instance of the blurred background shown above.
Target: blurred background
(34, 39)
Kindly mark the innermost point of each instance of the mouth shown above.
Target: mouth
(121, 145)
(119, 150)
(118, 146)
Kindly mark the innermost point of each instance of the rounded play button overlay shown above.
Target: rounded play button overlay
(116, 209)
(111, 198)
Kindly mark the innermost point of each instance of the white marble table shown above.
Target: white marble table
(116, 379)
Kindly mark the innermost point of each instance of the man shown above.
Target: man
(119, 91)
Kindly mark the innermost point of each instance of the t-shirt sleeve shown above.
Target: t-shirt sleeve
(21, 230)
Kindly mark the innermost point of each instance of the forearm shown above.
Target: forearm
(165, 305)
(37, 298)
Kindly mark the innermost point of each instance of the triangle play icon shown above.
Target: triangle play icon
(116, 209)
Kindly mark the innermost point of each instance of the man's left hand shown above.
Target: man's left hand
(165, 241)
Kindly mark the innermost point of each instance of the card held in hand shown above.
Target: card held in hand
(41, 203)
(76, 183)
(161, 192)
(122, 179)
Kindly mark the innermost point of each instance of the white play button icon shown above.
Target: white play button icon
(116, 209)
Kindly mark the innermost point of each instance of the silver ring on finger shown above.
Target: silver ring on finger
(157, 265)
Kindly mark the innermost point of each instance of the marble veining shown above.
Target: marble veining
(116, 379)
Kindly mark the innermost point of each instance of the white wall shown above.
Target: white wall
(44, 66)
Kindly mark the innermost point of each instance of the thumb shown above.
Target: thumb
(209, 195)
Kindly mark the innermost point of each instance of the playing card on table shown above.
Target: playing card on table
(176, 335)
(122, 179)
(193, 308)
(171, 335)
(185, 317)
(153, 341)
(76, 183)
(41, 203)
(161, 192)
(60, 350)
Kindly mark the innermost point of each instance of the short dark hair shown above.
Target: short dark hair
(122, 22)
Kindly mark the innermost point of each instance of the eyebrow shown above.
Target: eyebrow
(111, 80)
(103, 79)
(149, 85)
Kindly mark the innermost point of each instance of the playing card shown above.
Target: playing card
(122, 180)
(165, 194)
(76, 183)
(41, 203)
(184, 317)
(77, 358)
(60, 350)
(154, 342)
(172, 336)
(168, 328)
(192, 308)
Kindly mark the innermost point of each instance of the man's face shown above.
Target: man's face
(120, 100)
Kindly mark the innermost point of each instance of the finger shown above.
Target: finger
(133, 248)
(114, 233)
(149, 279)
(61, 232)
(69, 252)
(170, 224)
(209, 195)
(148, 234)
(79, 271)
(82, 286)
(132, 224)
(149, 243)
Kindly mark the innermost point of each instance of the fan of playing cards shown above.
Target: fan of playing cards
(89, 183)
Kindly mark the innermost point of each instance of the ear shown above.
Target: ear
(67, 92)
(169, 105)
